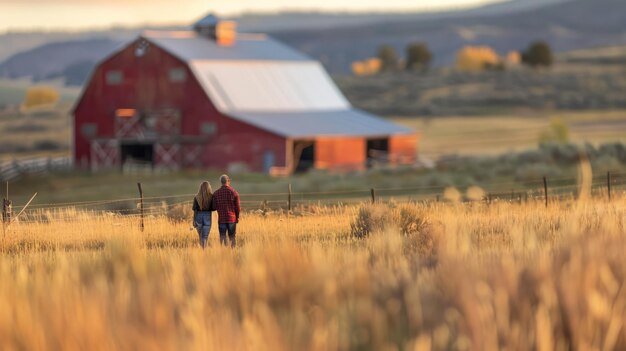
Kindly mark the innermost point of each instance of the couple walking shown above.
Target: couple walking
(225, 201)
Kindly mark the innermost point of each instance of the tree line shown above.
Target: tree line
(419, 57)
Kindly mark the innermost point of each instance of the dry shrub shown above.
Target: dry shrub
(476, 58)
(422, 234)
(180, 213)
(475, 193)
(370, 219)
(452, 194)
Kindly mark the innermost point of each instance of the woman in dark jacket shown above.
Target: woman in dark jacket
(202, 208)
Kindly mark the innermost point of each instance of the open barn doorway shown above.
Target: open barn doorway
(303, 156)
(137, 154)
(377, 152)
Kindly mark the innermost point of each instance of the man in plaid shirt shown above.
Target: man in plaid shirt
(226, 203)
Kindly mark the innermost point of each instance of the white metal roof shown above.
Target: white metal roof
(188, 46)
(345, 122)
(265, 86)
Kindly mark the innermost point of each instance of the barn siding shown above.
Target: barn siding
(344, 153)
(146, 86)
(403, 149)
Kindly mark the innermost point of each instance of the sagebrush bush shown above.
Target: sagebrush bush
(370, 219)
(422, 235)
(180, 213)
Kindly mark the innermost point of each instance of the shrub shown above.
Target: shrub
(418, 57)
(412, 220)
(452, 194)
(476, 58)
(475, 193)
(40, 96)
(538, 54)
(180, 213)
(388, 59)
(618, 150)
(370, 219)
(606, 162)
(366, 67)
(558, 132)
(48, 145)
(562, 153)
(422, 236)
(27, 128)
(533, 172)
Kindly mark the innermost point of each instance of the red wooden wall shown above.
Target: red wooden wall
(146, 86)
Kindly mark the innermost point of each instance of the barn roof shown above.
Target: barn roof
(189, 46)
(266, 84)
(346, 122)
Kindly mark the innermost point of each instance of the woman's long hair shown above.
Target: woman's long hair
(204, 196)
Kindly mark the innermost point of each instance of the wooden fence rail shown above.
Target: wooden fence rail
(11, 170)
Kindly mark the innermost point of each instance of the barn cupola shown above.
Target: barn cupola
(224, 33)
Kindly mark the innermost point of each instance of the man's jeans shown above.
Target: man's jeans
(231, 228)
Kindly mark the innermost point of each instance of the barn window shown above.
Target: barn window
(177, 75)
(114, 77)
(208, 128)
(89, 130)
(125, 112)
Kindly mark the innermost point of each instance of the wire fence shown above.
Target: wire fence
(177, 206)
(10, 170)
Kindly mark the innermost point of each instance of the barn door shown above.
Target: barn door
(105, 154)
(147, 124)
(129, 126)
(167, 156)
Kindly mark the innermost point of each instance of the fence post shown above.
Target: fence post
(289, 198)
(373, 193)
(6, 207)
(608, 184)
(141, 225)
(6, 211)
(545, 189)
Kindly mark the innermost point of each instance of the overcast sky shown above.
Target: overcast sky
(78, 14)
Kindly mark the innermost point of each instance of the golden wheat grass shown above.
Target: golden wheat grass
(376, 277)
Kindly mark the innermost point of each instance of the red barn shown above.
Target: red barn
(205, 99)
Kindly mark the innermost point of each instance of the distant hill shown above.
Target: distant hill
(51, 59)
(14, 42)
(339, 39)
(565, 25)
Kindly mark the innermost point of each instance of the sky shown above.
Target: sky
(81, 14)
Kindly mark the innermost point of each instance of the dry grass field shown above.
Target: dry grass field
(441, 276)
(491, 135)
